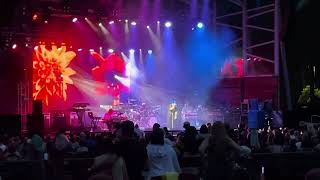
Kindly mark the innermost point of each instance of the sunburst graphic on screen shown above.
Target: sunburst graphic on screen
(51, 72)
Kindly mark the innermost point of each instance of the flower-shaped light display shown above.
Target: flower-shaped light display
(111, 66)
(51, 74)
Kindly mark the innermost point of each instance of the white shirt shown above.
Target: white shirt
(162, 160)
(3, 147)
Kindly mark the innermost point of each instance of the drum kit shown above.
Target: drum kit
(142, 114)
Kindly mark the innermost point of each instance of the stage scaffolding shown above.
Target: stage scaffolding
(250, 14)
(24, 100)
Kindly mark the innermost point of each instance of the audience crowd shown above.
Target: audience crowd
(130, 153)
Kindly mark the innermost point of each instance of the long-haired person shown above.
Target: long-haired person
(221, 150)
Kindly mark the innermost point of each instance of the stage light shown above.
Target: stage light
(91, 50)
(111, 22)
(35, 17)
(74, 19)
(100, 24)
(14, 46)
(27, 45)
(168, 24)
(79, 49)
(100, 48)
(131, 51)
(86, 18)
(133, 23)
(200, 25)
(158, 22)
(149, 51)
(140, 50)
(46, 22)
(148, 27)
(59, 49)
(126, 20)
(110, 50)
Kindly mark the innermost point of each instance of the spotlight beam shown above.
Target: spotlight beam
(91, 25)
(155, 40)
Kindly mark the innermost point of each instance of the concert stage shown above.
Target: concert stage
(82, 65)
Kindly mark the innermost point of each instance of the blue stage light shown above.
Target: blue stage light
(200, 25)
(168, 24)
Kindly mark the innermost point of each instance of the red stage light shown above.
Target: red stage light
(46, 22)
(74, 19)
(91, 50)
(36, 48)
(79, 49)
(35, 17)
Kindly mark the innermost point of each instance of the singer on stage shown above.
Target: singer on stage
(173, 114)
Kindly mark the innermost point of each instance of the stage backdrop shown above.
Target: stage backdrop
(62, 77)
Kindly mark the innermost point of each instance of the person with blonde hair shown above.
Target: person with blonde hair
(221, 150)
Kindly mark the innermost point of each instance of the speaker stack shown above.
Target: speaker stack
(35, 121)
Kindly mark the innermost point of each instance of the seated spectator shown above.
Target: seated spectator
(12, 154)
(162, 157)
